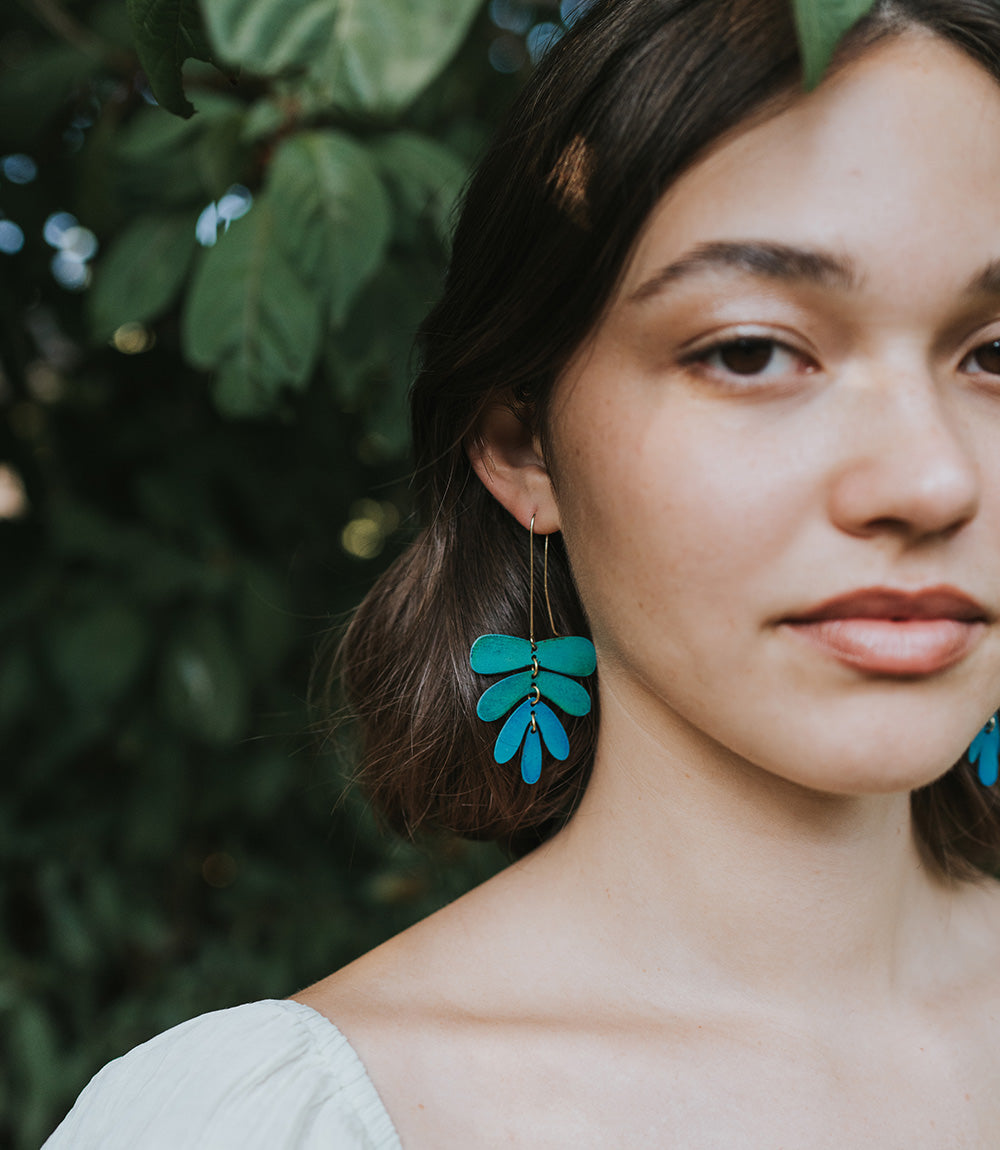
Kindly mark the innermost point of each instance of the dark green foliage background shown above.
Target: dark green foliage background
(195, 431)
(170, 840)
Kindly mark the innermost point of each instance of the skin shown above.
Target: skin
(736, 941)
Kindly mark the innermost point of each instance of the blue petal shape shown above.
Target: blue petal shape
(570, 654)
(986, 748)
(495, 654)
(512, 732)
(553, 732)
(498, 699)
(531, 758)
(565, 693)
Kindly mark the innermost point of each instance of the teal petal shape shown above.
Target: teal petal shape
(498, 699)
(565, 693)
(531, 758)
(986, 749)
(553, 732)
(496, 654)
(512, 732)
(570, 654)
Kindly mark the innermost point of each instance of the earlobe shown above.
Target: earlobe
(507, 457)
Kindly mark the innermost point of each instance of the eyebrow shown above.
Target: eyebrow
(783, 262)
(987, 282)
(766, 260)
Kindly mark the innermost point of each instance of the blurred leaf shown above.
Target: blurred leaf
(33, 92)
(34, 1051)
(271, 36)
(369, 357)
(202, 687)
(250, 315)
(141, 272)
(821, 24)
(426, 176)
(383, 55)
(374, 57)
(97, 651)
(161, 160)
(71, 934)
(266, 625)
(17, 680)
(168, 32)
(335, 213)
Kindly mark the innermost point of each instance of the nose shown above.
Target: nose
(910, 469)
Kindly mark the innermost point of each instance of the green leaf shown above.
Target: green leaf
(168, 32)
(383, 55)
(336, 216)
(426, 176)
(374, 57)
(368, 359)
(271, 36)
(141, 272)
(251, 315)
(202, 685)
(97, 652)
(161, 160)
(821, 24)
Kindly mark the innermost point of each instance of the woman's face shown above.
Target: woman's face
(777, 463)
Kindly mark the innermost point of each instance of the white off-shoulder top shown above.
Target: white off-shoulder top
(271, 1075)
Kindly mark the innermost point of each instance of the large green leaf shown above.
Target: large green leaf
(271, 36)
(368, 55)
(141, 272)
(425, 176)
(384, 54)
(168, 32)
(335, 213)
(251, 315)
(821, 23)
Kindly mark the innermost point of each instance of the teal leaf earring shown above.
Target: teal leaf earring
(985, 749)
(541, 671)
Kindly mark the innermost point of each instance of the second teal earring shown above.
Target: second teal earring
(985, 750)
(541, 671)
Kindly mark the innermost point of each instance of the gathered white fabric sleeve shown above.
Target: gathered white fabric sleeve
(271, 1075)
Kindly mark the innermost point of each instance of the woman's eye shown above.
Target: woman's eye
(749, 356)
(985, 358)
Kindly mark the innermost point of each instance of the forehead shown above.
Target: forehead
(896, 156)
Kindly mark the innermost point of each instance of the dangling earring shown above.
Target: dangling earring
(550, 661)
(986, 748)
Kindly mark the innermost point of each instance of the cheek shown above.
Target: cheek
(669, 513)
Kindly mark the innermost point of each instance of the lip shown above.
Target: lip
(885, 631)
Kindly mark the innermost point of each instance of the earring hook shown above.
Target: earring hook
(531, 584)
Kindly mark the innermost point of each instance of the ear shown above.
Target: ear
(507, 457)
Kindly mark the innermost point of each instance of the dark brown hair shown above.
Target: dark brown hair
(619, 108)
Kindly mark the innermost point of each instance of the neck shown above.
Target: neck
(708, 865)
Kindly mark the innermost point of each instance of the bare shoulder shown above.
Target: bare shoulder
(442, 966)
(440, 1013)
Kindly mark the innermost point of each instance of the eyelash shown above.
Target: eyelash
(750, 344)
(994, 345)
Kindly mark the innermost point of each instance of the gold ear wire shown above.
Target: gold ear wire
(531, 585)
(548, 605)
(531, 582)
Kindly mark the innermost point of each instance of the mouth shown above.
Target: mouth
(883, 631)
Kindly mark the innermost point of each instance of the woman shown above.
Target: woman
(738, 346)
